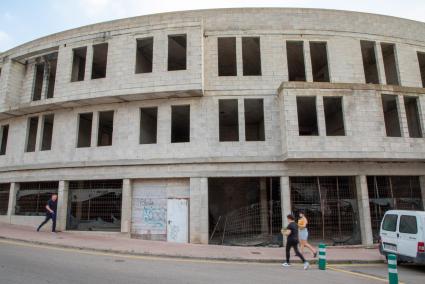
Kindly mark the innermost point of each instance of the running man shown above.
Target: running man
(51, 208)
(291, 233)
(303, 234)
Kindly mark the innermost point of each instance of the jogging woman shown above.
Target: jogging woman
(303, 234)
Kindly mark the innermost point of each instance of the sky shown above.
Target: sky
(25, 20)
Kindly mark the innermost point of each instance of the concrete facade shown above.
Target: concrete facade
(364, 150)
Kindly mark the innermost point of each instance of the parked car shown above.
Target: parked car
(403, 234)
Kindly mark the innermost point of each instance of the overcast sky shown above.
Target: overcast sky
(25, 20)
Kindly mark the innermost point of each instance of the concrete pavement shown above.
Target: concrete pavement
(122, 244)
(29, 263)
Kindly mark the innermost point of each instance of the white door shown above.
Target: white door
(408, 235)
(389, 233)
(177, 220)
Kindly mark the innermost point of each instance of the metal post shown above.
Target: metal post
(322, 256)
(392, 269)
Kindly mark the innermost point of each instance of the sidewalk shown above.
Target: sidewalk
(117, 243)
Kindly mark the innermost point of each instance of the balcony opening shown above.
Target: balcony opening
(52, 61)
(307, 116)
(226, 56)
(144, 55)
(251, 56)
(334, 117)
(254, 120)
(4, 137)
(370, 66)
(421, 60)
(78, 64)
(228, 120)
(47, 132)
(319, 61)
(296, 64)
(180, 124)
(32, 134)
(391, 117)
(390, 63)
(177, 46)
(38, 81)
(411, 105)
(148, 125)
(85, 122)
(106, 128)
(100, 59)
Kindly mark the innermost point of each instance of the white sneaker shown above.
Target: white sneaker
(306, 265)
(286, 264)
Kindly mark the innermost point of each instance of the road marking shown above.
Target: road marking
(381, 279)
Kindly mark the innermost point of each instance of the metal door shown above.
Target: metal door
(177, 220)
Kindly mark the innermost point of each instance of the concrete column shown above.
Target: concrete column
(63, 193)
(422, 184)
(285, 200)
(307, 62)
(264, 206)
(198, 222)
(380, 62)
(126, 206)
(404, 128)
(364, 211)
(14, 187)
(95, 129)
(321, 122)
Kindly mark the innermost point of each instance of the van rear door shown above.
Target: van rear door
(389, 233)
(408, 235)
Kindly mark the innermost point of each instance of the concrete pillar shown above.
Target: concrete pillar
(422, 184)
(285, 200)
(63, 193)
(307, 62)
(364, 211)
(380, 62)
(264, 206)
(126, 206)
(14, 187)
(198, 220)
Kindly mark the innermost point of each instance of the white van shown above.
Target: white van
(403, 233)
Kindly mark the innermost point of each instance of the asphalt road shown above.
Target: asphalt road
(27, 263)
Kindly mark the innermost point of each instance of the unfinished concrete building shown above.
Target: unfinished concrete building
(211, 126)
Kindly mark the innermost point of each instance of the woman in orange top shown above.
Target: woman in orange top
(303, 234)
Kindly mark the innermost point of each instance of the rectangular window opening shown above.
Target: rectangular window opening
(85, 121)
(296, 64)
(4, 198)
(47, 134)
(144, 55)
(319, 61)
(4, 136)
(106, 128)
(32, 134)
(177, 46)
(251, 56)
(148, 125)
(307, 116)
(180, 123)
(226, 56)
(390, 63)
(391, 117)
(32, 197)
(254, 120)
(100, 60)
(78, 64)
(334, 117)
(52, 61)
(370, 66)
(228, 120)
(413, 118)
(38, 81)
(421, 59)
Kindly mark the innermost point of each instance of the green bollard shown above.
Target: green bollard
(322, 256)
(392, 269)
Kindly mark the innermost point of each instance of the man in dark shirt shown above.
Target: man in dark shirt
(51, 208)
(291, 233)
